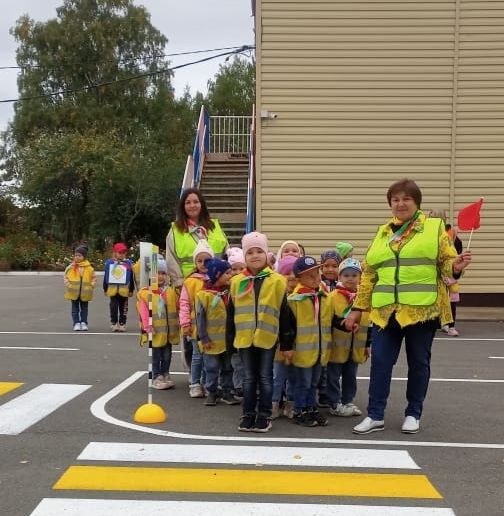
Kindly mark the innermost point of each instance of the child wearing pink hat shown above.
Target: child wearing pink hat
(257, 302)
(236, 259)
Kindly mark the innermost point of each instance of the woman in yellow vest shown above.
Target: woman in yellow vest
(80, 280)
(402, 287)
(192, 225)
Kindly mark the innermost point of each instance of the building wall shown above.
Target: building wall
(368, 92)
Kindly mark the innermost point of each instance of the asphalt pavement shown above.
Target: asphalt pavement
(61, 391)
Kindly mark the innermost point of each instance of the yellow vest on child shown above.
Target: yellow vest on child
(215, 321)
(79, 281)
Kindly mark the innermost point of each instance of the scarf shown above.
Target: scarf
(309, 293)
(405, 229)
(350, 296)
(246, 284)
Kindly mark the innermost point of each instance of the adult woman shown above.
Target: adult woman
(401, 285)
(192, 225)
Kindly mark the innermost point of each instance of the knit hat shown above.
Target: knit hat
(235, 255)
(161, 264)
(304, 264)
(216, 268)
(254, 239)
(344, 248)
(81, 249)
(285, 244)
(120, 247)
(202, 247)
(350, 263)
(285, 265)
(330, 255)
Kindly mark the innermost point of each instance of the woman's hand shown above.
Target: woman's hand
(462, 261)
(287, 355)
(186, 331)
(352, 321)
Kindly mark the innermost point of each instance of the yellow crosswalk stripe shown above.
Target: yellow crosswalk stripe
(104, 478)
(6, 387)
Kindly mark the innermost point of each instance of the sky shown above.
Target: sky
(188, 25)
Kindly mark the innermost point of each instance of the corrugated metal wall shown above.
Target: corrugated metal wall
(367, 92)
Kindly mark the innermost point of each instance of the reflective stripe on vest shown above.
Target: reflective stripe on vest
(344, 343)
(263, 331)
(410, 275)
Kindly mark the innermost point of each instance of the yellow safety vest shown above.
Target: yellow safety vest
(166, 327)
(185, 244)
(258, 324)
(408, 276)
(79, 281)
(193, 286)
(312, 337)
(122, 290)
(215, 321)
(345, 344)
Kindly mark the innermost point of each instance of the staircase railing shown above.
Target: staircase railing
(250, 224)
(230, 134)
(194, 164)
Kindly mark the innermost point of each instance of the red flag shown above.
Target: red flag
(469, 217)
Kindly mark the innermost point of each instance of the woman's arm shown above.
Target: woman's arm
(368, 280)
(174, 270)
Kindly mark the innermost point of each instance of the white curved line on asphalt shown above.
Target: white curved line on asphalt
(98, 409)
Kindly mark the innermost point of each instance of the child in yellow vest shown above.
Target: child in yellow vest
(283, 371)
(256, 311)
(348, 350)
(192, 284)
(165, 326)
(80, 280)
(211, 306)
(307, 342)
(118, 285)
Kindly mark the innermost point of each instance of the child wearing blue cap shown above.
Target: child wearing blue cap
(348, 350)
(211, 307)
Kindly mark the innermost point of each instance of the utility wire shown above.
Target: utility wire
(127, 79)
(126, 59)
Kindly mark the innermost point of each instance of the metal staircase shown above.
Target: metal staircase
(222, 167)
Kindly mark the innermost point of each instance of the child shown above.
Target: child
(192, 284)
(237, 261)
(283, 371)
(118, 285)
(288, 248)
(80, 281)
(165, 327)
(307, 342)
(344, 249)
(257, 302)
(347, 349)
(211, 305)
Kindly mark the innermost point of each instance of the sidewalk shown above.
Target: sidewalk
(480, 313)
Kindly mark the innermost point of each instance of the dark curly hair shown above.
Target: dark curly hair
(204, 218)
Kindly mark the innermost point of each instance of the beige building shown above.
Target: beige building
(353, 95)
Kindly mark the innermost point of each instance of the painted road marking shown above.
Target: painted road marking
(497, 358)
(264, 455)
(98, 409)
(24, 411)
(39, 349)
(6, 387)
(243, 481)
(86, 507)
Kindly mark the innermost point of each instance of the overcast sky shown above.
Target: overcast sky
(188, 25)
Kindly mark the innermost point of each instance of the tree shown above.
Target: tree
(232, 91)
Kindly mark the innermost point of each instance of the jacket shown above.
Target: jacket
(80, 281)
(113, 289)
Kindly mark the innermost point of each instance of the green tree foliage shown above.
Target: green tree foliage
(232, 91)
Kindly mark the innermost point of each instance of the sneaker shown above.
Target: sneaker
(445, 328)
(159, 383)
(238, 395)
(411, 425)
(275, 410)
(452, 332)
(114, 327)
(229, 399)
(262, 425)
(368, 426)
(77, 326)
(246, 423)
(122, 328)
(168, 381)
(211, 399)
(304, 419)
(319, 419)
(347, 410)
(323, 401)
(84, 326)
(196, 390)
(288, 410)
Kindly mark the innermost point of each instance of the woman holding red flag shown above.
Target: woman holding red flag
(402, 288)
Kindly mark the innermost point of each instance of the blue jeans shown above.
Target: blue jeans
(161, 360)
(283, 373)
(215, 364)
(348, 374)
(257, 374)
(322, 385)
(237, 366)
(305, 390)
(386, 348)
(79, 311)
(196, 363)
